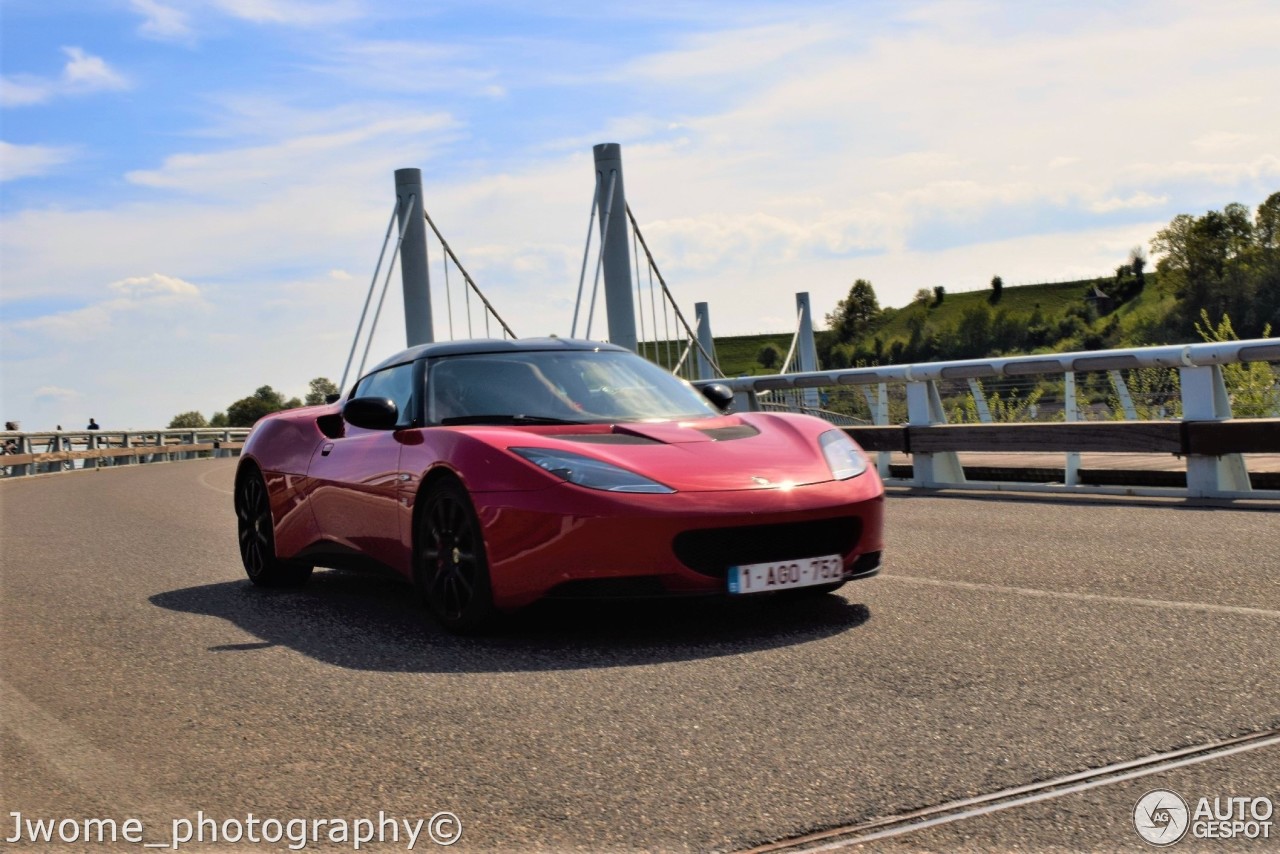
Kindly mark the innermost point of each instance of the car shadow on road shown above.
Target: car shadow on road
(371, 622)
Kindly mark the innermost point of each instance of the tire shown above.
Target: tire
(452, 569)
(256, 530)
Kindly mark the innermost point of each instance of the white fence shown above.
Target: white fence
(1175, 400)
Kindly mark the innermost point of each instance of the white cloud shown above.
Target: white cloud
(154, 286)
(24, 90)
(1137, 200)
(83, 74)
(392, 66)
(56, 394)
(27, 161)
(161, 22)
(287, 162)
(300, 13)
(155, 295)
(87, 73)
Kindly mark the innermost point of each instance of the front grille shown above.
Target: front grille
(711, 551)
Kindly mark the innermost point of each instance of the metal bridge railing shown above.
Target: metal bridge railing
(1211, 404)
(30, 453)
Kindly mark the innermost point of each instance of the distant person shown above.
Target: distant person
(58, 428)
(93, 425)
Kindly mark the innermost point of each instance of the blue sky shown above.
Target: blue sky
(194, 191)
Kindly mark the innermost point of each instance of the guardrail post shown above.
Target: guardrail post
(1071, 410)
(24, 447)
(1205, 398)
(924, 407)
(879, 406)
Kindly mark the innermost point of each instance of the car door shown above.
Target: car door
(357, 477)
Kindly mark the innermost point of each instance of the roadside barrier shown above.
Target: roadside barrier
(76, 450)
(1174, 400)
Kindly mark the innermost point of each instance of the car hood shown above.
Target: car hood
(736, 452)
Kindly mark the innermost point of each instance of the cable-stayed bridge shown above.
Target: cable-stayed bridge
(1021, 673)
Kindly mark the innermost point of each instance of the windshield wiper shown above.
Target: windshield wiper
(506, 419)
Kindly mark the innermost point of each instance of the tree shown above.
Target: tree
(247, 410)
(923, 296)
(1266, 227)
(997, 290)
(856, 314)
(188, 419)
(321, 388)
(769, 356)
(939, 293)
(1137, 265)
(1223, 263)
(219, 419)
(974, 332)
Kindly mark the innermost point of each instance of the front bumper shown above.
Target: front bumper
(570, 539)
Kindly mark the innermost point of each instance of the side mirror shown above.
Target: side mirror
(719, 394)
(371, 413)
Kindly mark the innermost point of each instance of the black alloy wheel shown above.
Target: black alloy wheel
(453, 572)
(256, 530)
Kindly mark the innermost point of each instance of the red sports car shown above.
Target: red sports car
(494, 473)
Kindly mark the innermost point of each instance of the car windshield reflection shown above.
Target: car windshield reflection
(557, 388)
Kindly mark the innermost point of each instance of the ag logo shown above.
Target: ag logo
(1161, 817)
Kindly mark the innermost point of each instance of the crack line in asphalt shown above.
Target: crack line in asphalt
(846, 837)
(1088, 597)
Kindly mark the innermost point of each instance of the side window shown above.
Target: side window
(395, 383)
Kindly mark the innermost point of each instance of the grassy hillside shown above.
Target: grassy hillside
(1052, 300)
(1057, 310)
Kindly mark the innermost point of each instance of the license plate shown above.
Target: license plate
(785, 574)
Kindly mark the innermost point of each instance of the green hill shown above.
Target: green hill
(1054, 317)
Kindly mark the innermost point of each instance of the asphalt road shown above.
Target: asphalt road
(1006, 642)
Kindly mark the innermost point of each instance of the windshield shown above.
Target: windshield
(577, 386)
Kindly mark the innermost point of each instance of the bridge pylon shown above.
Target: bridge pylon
(418, 325)
(611, 201)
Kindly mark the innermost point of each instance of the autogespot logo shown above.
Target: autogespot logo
(1161, 817)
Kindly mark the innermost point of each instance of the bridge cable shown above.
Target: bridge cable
(586, 253)
(472, 286)
(635, 255)
(448, 292)
(653, 265)
(604, 242)
(373, 327)
(373, 283)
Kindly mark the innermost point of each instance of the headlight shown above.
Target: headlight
(593, 474)
(843, 457)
